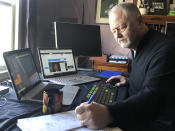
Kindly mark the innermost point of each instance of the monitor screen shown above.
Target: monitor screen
(22, 69)
(84, 40)
(170, 29)
(56, 62)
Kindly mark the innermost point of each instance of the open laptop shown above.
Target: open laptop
(26, 80)
(58, 66)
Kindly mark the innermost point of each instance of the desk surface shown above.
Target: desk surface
(13, 109)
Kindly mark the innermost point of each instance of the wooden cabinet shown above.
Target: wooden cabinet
(158, 19)
(158, 22)
(120, 67)
(100, 63)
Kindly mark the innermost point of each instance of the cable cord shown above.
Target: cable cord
(3, 101)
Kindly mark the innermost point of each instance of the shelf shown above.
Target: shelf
(158, 22)
(120, 67)
(158, 19)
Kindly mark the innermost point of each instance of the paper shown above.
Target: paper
(59, 121)
(65, 121)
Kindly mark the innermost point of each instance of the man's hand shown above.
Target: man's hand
(94, 115)
(122, 80)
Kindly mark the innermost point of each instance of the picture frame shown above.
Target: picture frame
(102, 8)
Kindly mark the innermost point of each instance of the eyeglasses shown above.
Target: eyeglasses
(121, 28)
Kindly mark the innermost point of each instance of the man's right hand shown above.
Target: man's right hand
(93, 116)
(123, 81)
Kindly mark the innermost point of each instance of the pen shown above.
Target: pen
(92, 98)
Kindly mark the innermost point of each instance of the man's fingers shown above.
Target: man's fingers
(113, 77)
(123, 82)
(84, 122)
(81, 117)
(80, 109)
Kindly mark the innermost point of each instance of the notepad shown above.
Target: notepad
(65, 121)
(108, 74)
(59, 121)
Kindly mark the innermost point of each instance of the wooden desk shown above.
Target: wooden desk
(120, 67)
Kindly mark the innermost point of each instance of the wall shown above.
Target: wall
(84, 10)
(51, 10)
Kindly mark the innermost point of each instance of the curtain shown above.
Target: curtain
(27, 29)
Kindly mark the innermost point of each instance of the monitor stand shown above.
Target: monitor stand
(83, 63)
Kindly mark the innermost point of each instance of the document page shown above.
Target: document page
(59, 121)
(64, 121)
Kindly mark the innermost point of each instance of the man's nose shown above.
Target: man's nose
(118, 34)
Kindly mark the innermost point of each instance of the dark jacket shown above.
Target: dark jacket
(151, 91)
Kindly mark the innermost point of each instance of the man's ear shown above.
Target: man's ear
(140, 19)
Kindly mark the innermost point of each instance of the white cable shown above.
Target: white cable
(3, 101)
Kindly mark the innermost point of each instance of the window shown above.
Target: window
(7, 28)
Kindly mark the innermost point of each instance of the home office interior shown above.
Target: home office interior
(47, 36)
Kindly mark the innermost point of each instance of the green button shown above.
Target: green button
(88, 96)
(110, 101)
(90, 92)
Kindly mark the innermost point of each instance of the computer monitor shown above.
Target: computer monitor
(170, 29)
(84, 40)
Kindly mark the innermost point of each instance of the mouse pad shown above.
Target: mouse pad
(108, 74)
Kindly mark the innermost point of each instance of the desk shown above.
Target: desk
(13, 110)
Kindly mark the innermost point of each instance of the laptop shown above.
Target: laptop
(58, 66)
(26, 80)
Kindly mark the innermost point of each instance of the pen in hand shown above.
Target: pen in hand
(91, 98)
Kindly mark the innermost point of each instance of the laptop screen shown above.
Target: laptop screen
(55, 62)
(22, 69)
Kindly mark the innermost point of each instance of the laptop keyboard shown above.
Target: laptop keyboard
(67, 81)
(106, 93)
(73, 79)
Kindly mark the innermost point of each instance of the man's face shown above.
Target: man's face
(56, 67)
(124, 29)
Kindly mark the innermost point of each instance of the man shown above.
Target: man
(150, 100)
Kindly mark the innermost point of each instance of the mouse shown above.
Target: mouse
(114, 81)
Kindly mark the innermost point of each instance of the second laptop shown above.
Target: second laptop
(59, 66)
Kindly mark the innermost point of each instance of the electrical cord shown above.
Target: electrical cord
(3, 101)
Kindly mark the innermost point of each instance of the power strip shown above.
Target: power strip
(3, 90)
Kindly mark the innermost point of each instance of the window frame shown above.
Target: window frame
(14, 4)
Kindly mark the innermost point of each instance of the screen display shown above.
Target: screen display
(22, 69)
(55, 62)
(84, 40)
